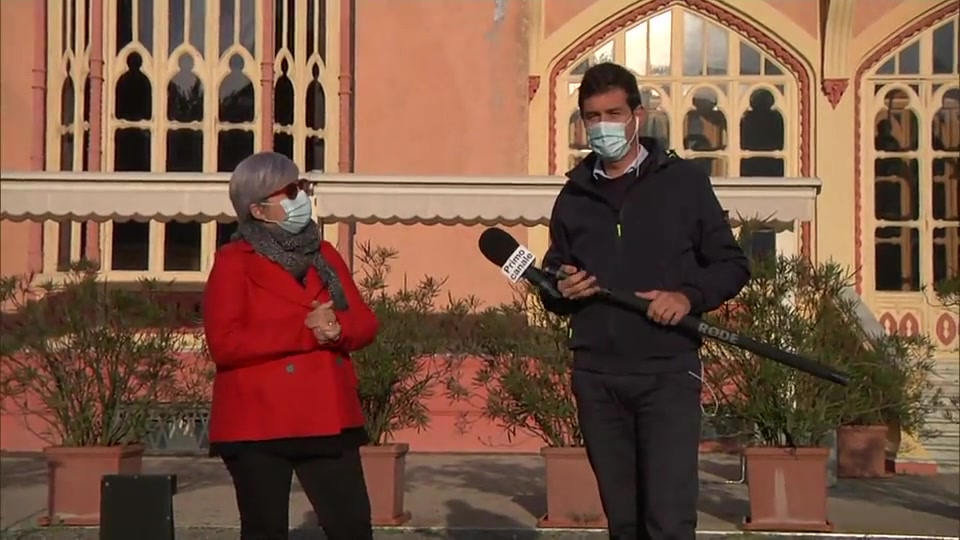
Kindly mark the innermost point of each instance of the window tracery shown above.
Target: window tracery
(914, 120)
(182, 94)
(709, 93)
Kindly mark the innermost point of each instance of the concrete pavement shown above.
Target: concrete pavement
(476, 493)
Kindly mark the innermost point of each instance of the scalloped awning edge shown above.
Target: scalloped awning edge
(404, 199)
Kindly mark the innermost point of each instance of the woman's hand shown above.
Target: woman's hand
(323, 323)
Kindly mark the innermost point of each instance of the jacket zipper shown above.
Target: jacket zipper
(613, 326)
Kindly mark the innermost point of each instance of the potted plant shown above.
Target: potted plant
(525, 377)
(874, 379)
(90, 360)
(891, 384)
(795, 305)
(396, 374)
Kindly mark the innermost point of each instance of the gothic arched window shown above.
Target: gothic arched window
(182, 93)
(710, 94)
(68, 122)
(912, 105)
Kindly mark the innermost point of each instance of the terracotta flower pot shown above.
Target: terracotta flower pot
(73, 480)
(787, 489)
(573, 499)
(384, 469)
(862, 452)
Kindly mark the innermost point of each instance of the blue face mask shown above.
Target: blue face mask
(609, 140)
(299, 213)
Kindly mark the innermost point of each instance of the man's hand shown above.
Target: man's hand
(577, 284)
(323, 322)
(666, 308)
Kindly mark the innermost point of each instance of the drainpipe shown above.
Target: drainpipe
(345, 162)
(266, 75)
(38, 143)
(95, 152)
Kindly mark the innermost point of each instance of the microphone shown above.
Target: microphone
(516, 262)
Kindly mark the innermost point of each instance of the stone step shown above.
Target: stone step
(945, 447)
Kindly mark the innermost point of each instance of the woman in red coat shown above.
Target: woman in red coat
(281, 315)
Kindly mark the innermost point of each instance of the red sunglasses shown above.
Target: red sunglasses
(292, 189)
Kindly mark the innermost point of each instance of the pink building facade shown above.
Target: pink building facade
(426, 121)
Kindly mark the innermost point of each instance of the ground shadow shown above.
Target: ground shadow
(521, 483)
(22, 471)
(192, 473)
(462, 517)
(722, 496)
(713, 471)
(727, 503)
(461, 514)
(935, 495)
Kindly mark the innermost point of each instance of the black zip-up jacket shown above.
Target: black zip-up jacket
(659, 227)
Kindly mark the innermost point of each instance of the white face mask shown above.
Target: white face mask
(299, 213)
(609, 139)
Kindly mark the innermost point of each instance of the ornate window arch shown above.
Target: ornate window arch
(908, 191)
(911, 164)
(710, 93)
(183, 91)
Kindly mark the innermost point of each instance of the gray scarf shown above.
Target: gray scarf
(296, 253)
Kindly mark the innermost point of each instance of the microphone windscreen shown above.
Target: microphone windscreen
(497, 245)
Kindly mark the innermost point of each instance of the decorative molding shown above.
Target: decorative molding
(837, 34)
(351, 198)
(727, 19)
(879, 54)
(909, 325)
(946, 328)
(888, 322)
(834, 89)
(533, 84)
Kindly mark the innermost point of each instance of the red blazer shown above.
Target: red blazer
(273, 380)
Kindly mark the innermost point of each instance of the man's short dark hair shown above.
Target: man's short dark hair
(606, 76)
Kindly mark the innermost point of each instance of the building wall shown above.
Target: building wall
(441, 89)
(476, 88)
(18, 120)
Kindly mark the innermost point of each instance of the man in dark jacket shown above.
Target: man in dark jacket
(635, 217)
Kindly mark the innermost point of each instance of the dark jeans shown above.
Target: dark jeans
(334, 485)
(642, 435)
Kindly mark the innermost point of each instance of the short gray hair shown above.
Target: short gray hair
(257, 177)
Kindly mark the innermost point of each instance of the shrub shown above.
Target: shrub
(526, 372)
(91, 360)
(402, 369)
(797, 306)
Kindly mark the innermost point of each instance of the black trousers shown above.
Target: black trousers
(642, 436)
(334, 485)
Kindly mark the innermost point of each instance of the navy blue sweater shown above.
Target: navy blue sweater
(659, 227)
